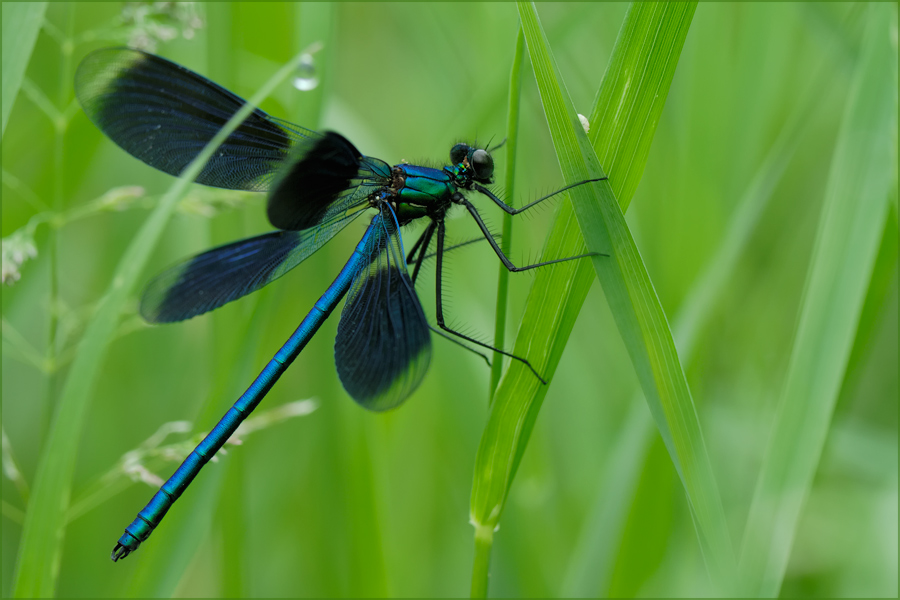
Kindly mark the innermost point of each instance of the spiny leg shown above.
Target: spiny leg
(413, 262)
(459, 343)
(410, 257)
(480, 238)
(449, 249)
(439, 311)
(503, 258)
(514, 211)
(421, 246)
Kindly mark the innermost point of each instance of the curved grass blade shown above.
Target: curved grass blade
(860, 182)
(635, 306)
(624, 121)
(593, 561)
(37, 566)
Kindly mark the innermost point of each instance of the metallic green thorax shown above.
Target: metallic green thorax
(419, 192)
(422, 191)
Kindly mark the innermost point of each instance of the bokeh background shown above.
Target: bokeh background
(343, 502)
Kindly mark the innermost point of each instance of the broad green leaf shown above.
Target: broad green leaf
(21, 25)
(862, 174)
(40, 552)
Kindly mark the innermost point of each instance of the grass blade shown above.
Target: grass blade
(624, 121)
(21, 25)
(633, 301)
(594, 559)
(40, 550)
(860, 180)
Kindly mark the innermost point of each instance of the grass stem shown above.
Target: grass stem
(509, 176)
(484, 541)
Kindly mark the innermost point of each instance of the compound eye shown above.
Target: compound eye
(458, 153)
(483, 164)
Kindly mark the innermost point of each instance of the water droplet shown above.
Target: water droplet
(305, 83)
(306, 78)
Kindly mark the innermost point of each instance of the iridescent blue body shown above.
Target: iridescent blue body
(149, 517)
(317, 183)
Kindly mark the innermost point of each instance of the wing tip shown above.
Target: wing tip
(94, 78)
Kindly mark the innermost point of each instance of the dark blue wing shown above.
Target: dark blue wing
(326, 176)
(218, 276)
(383, 344)
(164, 115)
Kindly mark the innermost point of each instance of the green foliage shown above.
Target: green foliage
(646, 52)
(40, 552)
(21, 24)
(860, 182)
(737, 160)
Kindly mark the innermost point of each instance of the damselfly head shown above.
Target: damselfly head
(477, 158)
(483, 165)
(459, 153)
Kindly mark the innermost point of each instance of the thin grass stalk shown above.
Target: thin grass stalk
(228, 519)
(221, 343)
(40, 549)
(509, 177)
(484, 541)
(485, 536)
(60, 125)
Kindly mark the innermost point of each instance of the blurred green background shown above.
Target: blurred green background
(344, 502)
